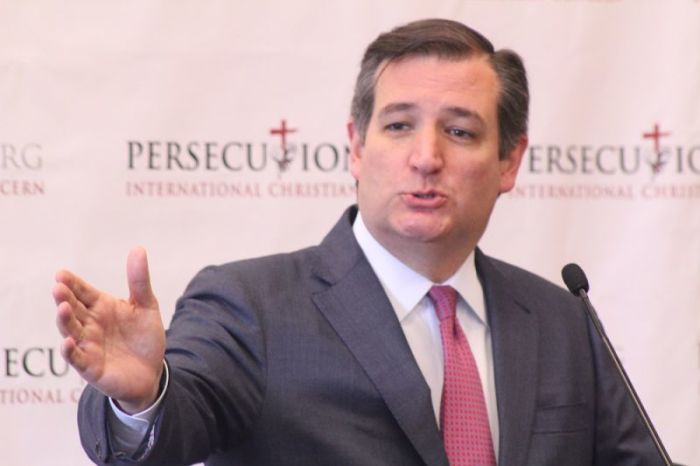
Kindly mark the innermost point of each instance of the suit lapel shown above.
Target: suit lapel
(514, 335)
(355, 304)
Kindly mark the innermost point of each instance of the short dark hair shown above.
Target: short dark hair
(450, 40)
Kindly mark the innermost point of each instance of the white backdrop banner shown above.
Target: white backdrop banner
(211, 131)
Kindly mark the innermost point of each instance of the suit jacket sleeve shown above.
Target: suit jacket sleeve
(217, 377)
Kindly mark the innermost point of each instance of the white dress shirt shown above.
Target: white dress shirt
(407, 291)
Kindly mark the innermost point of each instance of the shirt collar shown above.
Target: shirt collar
(406, 287)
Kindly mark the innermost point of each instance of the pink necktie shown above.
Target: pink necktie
(464, 421)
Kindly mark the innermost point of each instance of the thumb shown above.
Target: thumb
(139, 279)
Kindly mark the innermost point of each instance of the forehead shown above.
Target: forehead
(431, 83)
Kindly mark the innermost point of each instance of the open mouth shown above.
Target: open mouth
(425, 195)
(425, 199)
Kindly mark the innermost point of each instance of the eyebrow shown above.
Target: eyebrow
(455, 111)
(464, 113)
(396, 107)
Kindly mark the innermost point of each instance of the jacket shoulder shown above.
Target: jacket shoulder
(524, 283)
(276, 270)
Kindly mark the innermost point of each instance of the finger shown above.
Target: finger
(83, 291)
(62, 294)
(139, 279)
(67, 323)
(73, 355)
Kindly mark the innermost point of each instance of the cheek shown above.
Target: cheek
(370, 166)
(483, 173)
(479, 181)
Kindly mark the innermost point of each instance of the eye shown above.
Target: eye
(397, 127)
(460, 133)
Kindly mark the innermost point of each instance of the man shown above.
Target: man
(359, 351)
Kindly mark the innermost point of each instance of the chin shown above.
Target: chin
(422, 233)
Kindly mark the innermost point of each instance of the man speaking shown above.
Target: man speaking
(395, 341)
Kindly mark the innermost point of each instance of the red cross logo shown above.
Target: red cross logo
(655, 135)
(282, 132)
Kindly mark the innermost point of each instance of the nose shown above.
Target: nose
(427, 155)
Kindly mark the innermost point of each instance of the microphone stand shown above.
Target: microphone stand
(625, 379)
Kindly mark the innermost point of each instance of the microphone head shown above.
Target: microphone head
(574, 278)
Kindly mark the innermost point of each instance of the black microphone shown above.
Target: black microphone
(577, 283)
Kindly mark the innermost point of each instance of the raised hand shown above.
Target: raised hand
(116, 345)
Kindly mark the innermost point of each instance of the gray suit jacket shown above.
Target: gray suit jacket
(298, 359)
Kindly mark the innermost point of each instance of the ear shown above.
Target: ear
(355, 150)
(510, 165)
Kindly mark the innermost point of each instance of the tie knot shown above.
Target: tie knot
(444, 299)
